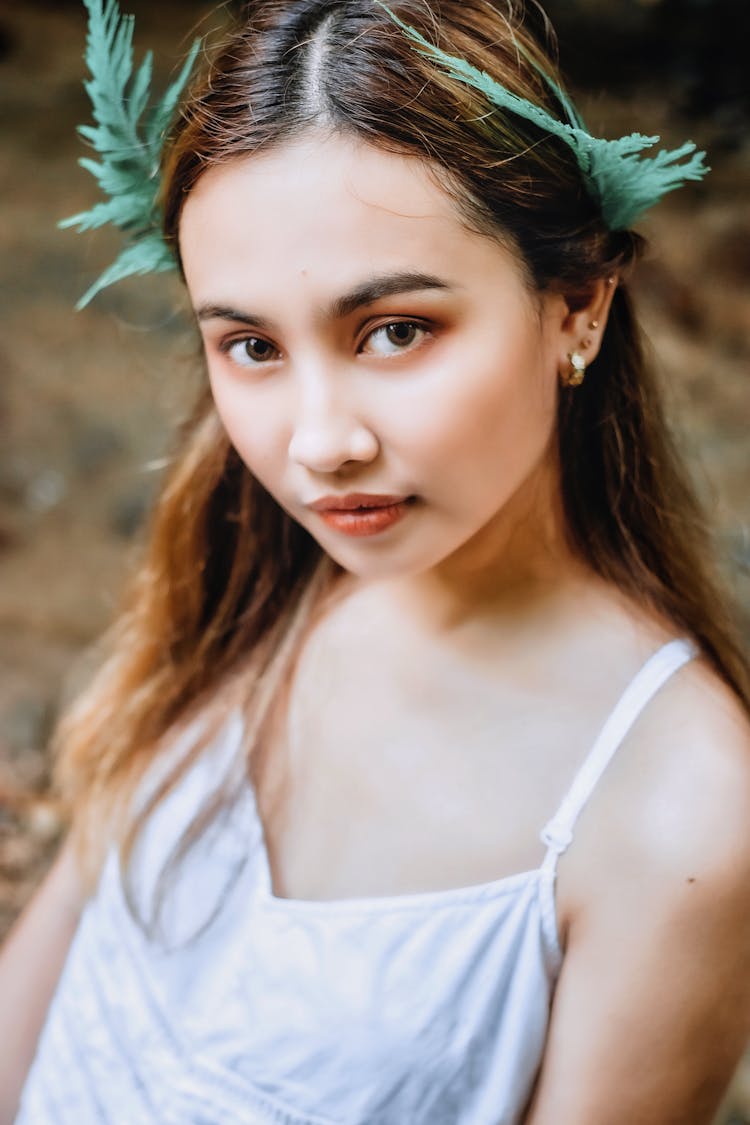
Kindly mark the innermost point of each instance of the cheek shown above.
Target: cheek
(251, 428)
(488, 418)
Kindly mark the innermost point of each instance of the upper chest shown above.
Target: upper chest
(398, 768)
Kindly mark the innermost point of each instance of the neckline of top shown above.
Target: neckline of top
(410, 900)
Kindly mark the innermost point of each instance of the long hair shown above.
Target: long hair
(229, 581)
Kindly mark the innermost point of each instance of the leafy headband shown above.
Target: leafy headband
(129, 140)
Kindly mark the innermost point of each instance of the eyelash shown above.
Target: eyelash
(227, 346)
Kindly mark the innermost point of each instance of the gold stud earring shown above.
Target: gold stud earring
(575, 376)
(593, 324)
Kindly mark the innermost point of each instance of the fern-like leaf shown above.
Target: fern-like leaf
(128, 138)
(623, 182)
(149, 255)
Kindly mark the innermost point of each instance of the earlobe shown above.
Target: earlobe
(583, 330)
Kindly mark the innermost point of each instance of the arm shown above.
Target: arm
(652, 1009)
(31, 961)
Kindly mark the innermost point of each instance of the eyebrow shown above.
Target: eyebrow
(367, 293)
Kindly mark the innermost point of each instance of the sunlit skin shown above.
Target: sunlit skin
(445, 390)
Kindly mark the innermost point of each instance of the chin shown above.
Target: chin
(373, 561)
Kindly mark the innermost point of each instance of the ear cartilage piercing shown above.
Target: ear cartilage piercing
(593, 324)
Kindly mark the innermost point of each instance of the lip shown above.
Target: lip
(356, 500)
(362, 513)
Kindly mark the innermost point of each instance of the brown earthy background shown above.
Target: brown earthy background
(88, 400)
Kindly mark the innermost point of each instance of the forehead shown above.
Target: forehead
(327, 206)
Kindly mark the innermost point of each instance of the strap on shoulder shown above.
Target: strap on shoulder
(558, 832)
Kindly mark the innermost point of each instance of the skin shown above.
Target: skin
(31, 960)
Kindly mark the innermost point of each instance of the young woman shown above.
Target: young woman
(425, 578)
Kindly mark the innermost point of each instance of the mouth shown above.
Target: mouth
(363, 516)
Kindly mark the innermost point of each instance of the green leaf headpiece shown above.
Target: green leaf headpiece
(622, 182)
(129, 142)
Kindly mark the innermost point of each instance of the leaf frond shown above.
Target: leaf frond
(618, 177)
(127, 137)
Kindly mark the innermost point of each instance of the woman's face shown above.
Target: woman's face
(361, 340)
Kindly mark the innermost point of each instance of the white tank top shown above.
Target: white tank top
(416, 1009)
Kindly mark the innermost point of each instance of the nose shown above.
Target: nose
(327, 431)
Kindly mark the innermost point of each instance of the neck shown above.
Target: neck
(513, 570)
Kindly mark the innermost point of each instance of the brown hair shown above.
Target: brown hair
(229, 580)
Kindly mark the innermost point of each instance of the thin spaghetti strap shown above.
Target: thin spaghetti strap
(558, 832)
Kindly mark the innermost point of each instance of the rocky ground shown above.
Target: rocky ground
(87, 400)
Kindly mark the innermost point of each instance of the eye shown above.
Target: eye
(398, 336)
(249, 351)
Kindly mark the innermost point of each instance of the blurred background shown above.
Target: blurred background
(88, 400)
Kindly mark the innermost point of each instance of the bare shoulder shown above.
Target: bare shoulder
(674, 804)
(657, 882)
(656, 885)
(692, 749)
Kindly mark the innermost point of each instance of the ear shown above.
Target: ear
(583, 325)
